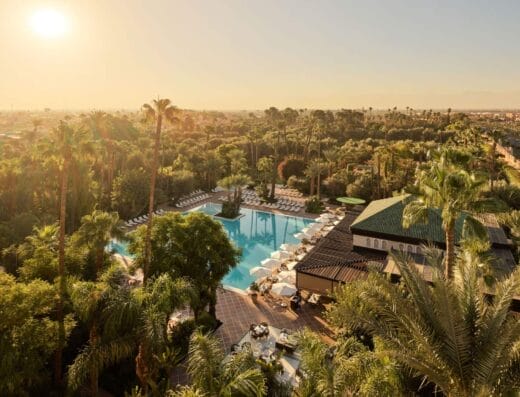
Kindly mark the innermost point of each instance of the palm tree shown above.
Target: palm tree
(312, 171)
(332, 156)
(106, 308)
(448, 331)
(100, 124)
(156, 301)
(494, 136)
(234, 182)
(161, 108)
(67, 142)
(346, 368)
(96, 231)
(454, 192)
(213, 375)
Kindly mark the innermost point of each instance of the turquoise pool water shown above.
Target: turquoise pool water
(257, 233)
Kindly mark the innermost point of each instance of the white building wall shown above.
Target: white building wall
(384, 245)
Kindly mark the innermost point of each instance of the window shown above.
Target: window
(410, 249)
(368, 241)
(401, 247)
(383, 244)
(418, 250)
(376, 243)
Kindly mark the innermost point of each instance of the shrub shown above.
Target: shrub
(291, 167)
(262, 190)
(314, 205)
(181, 333)
(300, 184)
(206, 323)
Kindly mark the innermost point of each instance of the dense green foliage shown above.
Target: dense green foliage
(447, 333)
(69, 180)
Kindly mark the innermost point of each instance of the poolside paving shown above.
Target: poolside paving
(238, 311)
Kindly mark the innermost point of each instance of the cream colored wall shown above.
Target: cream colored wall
(361, 241)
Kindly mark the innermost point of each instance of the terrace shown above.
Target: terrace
(237, 312)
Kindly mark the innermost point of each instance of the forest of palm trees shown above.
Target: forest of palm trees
(71, 324)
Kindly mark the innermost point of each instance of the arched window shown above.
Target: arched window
(383, 244)
(410, 249)
(418, 250)
(401, 247)
(368, 242)
(376, 243)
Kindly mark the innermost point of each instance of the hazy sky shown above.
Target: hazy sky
(230, 54)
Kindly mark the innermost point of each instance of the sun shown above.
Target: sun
(48, 23)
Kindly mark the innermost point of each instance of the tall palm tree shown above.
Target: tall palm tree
(213, 375)
(448, 332)
(494, 136)
(96, 231)
(67, 142)
(159, 109)
(312, 171)
(100, 124)
(454, 192)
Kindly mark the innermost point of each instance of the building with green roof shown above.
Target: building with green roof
(380, 227)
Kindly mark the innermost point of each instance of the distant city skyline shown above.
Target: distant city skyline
(249, 55)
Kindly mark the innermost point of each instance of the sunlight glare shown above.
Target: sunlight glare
(48, 23)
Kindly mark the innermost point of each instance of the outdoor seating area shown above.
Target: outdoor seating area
(142, 219)
(270, 344)
(193, 198)
(250, 197)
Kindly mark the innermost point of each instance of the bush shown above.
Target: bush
(291, 167)
(334, 187)
(362, 188)
(300, 184)
(262, 190)
(206, 323)
(314, 205)
(181, 333)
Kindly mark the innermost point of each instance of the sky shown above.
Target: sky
(248, 54)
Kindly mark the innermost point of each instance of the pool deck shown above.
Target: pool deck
(238, 311)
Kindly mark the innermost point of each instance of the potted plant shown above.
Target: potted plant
(253, 290)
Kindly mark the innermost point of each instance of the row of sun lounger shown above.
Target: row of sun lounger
(142, 219)
(192, 200)
(251, 198)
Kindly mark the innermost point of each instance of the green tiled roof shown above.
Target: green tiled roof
(386, 217)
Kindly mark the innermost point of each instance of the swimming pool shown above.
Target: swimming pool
(257, 233)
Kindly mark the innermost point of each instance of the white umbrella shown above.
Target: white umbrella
(281, 255)
(260, 271)
(287, 276)
(289, 247)
(291, 265)
(327, 216)
(321, 220)
(283, 289)
(271, 263)
(302, 236)
(311, 230)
